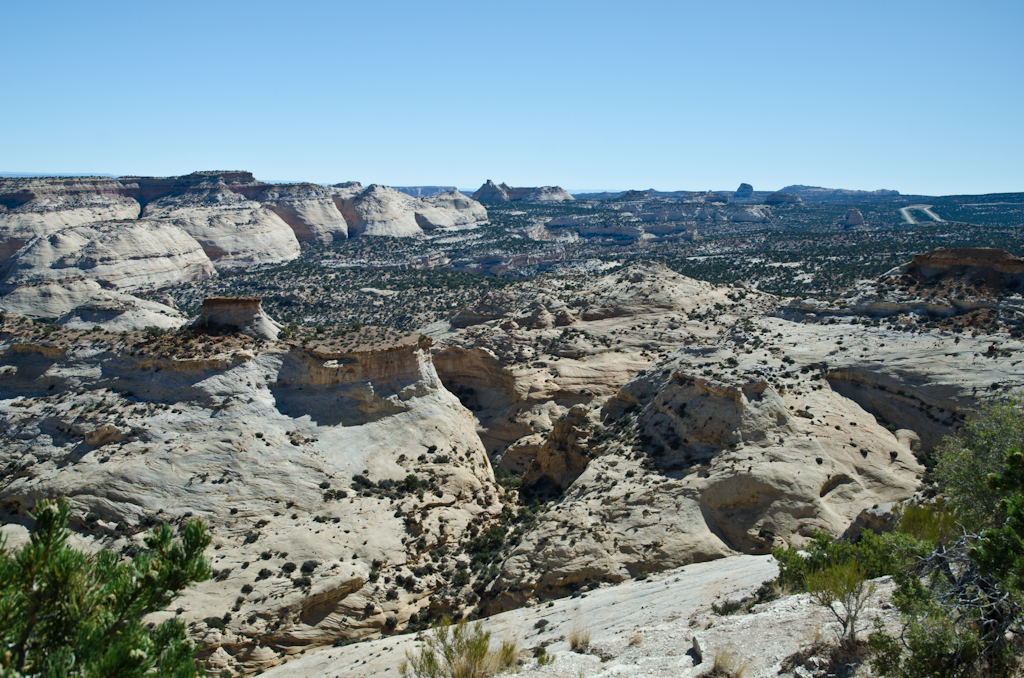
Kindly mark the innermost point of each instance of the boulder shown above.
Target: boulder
(853, 217)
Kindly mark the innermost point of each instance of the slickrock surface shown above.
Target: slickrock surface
(707, 467)
(297, 457)
(84, 304)
(491, 192)
(640, 628)
(660, 607)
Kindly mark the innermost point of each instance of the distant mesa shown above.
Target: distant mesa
(424, 191)
(853, 217)
(819, 194)
(636, 195)
(242, 314)
(782, 198)
(744, 191)
(491, 192)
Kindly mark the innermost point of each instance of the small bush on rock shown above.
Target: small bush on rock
(460, 651)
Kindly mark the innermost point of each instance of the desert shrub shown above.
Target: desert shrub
(579, 638)
(727, 664)
(63, 612)
(843, 590)
(965, 461)
(961, 603)
(543, 658)
(460, 651)
(876, 555)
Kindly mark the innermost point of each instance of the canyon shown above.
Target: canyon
(568, 427)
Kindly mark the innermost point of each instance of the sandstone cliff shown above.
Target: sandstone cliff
(233, 231)
(39, 207)
(309, 209)
(380, 210)
(127, 256)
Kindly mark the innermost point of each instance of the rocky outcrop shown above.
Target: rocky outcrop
(744, 191)
(941, 260)
(491, 192)
(564, 455)
(380, 210)
(689, 467)
(84, 304)
(450, 209)
(37, 207)
(241, 314)
(522, 357)
(424, 191)
(853, 217)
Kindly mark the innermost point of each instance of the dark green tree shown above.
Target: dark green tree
(68, 613)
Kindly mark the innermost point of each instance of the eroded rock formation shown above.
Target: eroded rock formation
(58, 236)
(491, 192)
(297, 457)
(241, 314)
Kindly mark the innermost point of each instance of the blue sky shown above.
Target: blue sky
(922, 97)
